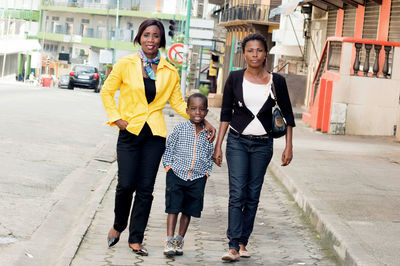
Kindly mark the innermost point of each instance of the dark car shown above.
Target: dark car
(63, 81)
(84, 76)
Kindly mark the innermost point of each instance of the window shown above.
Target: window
(89, 32)
(55, 18)
(59, 29)
(69, 19)
(68, 28)
(86, 21)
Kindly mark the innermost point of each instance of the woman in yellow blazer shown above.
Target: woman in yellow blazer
(146, 82)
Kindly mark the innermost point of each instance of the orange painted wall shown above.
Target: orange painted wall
(339, 22)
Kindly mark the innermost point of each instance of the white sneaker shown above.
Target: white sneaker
(178, 247)
(169, 249)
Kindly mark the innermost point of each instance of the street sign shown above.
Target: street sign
(175, 53)
(200, 42)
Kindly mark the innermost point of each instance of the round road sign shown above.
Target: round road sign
(175, 53)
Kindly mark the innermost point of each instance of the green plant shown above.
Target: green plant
(204, 89)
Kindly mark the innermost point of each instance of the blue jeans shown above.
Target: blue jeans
(247, 163)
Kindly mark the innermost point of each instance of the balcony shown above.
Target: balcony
(243, 14)
(355, 88)
(94, 39)
(131, 8)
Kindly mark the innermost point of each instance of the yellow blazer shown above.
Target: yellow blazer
(132, 104)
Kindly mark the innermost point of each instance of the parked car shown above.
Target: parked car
(84, 76)
(63, 81)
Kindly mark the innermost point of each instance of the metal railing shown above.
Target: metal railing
(93, 4)
(254, 12)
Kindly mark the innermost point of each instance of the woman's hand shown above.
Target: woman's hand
(287, 156)
(211, 131)
(121, 124)
(217, 156)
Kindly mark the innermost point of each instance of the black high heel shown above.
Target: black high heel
(112, 241)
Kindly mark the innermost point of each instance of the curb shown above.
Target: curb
(85, 222)
(331, 238)
(76, 200)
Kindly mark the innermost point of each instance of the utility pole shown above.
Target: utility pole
(185, 49)
(116, 33)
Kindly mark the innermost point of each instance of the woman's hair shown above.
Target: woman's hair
(147, 23)
(255, 37)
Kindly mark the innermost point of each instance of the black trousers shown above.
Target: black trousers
(138, 161)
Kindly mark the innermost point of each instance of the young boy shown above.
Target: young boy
(188, 162)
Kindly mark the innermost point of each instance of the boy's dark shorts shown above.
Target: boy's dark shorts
(184, 196)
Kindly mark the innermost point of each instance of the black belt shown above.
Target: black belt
(259, 138)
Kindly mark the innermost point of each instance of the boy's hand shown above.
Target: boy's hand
(211, 131)
(217, 156)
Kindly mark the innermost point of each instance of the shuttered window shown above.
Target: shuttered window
(371, 20)
(331, 25)
(394, 26)
(349, 21)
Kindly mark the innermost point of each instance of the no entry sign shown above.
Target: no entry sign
(175, 53)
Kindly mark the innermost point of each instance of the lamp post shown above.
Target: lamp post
(185, 49)
(116, 33)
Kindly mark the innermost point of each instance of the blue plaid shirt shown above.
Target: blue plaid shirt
(189, 155)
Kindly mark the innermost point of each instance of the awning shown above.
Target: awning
(285, 9)
(19, 46)
(286, 50)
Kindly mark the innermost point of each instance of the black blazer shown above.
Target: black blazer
(234, 109)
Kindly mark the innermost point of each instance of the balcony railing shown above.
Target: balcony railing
(372, 59)
(250, 12)
(101, 4)
(369, 58)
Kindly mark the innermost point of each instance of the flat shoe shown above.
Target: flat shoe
(230, 257)
(141, 251)
(244, 254)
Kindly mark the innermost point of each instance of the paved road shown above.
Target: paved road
(49, 139)
(281, 235)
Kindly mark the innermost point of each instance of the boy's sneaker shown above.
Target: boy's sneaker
(169, 249)
(178, 247)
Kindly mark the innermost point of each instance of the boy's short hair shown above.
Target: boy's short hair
(198, 95)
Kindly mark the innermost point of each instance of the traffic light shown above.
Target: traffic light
(171, 28)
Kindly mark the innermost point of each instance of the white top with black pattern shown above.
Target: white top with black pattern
(254, 97)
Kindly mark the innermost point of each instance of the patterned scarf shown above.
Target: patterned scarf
(147, 63)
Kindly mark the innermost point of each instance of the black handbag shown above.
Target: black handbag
(279, 126)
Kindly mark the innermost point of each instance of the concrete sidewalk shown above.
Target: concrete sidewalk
(349, 187)
(280, 236)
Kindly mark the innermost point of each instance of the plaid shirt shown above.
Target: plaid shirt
(189, 155)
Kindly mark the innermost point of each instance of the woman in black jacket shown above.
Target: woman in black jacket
(247, 111)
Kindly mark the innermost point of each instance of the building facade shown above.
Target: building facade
(17, 50)
(240, 18)
(88, 31)
(354, 74)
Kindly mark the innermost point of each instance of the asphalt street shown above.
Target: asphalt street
(49, 137)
